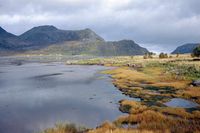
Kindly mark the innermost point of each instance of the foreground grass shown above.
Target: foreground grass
(159, 118)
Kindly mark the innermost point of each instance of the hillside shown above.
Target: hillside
(186, 48)
(49, 39)
(98, 48)
(10, 42)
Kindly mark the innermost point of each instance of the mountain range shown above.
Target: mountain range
(186, 48)
(48, 39)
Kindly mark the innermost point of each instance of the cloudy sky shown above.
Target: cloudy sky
(159, 25)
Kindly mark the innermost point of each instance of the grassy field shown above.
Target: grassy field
(155, 81)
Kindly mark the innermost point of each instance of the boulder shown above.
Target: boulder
(196, 82)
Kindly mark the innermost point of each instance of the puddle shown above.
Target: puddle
(179, 102)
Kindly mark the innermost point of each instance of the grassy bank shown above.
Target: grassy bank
(155, 81)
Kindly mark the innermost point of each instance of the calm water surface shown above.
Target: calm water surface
(183, 103)
(34, 96)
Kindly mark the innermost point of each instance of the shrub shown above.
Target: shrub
(148, 55)
(196, 52)
(163, 55)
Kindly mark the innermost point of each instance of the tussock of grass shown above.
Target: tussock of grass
(65, 128)
(120, 130)
(132, 107)
(108, 127)
(176, 112)
(151, 120)
(192, 93)
(196, 114)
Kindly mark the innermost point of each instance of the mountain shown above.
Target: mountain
(122, 47)
(11, 42)
(46, 35)
(186, 48)
(5, 34)
(49, 39)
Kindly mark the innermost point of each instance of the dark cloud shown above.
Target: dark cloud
(156, 24)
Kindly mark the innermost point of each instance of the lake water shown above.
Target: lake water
(34, 96)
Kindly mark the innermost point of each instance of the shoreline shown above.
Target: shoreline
(155, 82)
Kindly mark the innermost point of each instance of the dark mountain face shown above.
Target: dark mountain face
(9, 42)
(45, 35)
(73, 42)
(5, 34)
(186, 48)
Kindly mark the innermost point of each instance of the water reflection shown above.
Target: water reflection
(35, 96)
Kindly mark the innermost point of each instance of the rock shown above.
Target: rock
(196, 82)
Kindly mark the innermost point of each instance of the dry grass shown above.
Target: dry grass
(108, 127)
(151, 120)
(196, 114)
(154, 81)
(127, 74)
(132, 106)
(154, 84)
(176, 112)
(65, 128)
(191, 92)
(121, 130)
(152, 76)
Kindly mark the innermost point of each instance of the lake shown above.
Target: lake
(35, 96)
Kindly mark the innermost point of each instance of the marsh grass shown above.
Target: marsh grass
(65, 128)
(154, 81)
(152, 120)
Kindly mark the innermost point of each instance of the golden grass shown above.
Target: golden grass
(196, 114)
(128, 74)
(151, 76)
(174, 84)
(121, 130)
(133, 77)
(177, 112)
(136, 82)
(108, 127)
(65, 128)
(151, 120)
(135, 107)
(192, 91)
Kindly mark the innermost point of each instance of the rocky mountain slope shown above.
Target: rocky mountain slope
(49, 39)
(9, 42)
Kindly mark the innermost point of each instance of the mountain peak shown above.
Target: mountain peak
(127, 41)
(45, 28)
(88, 29)
(2, 30)
(88, 34)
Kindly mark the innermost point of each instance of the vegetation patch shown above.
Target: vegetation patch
(65, 128)
(155, 81)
